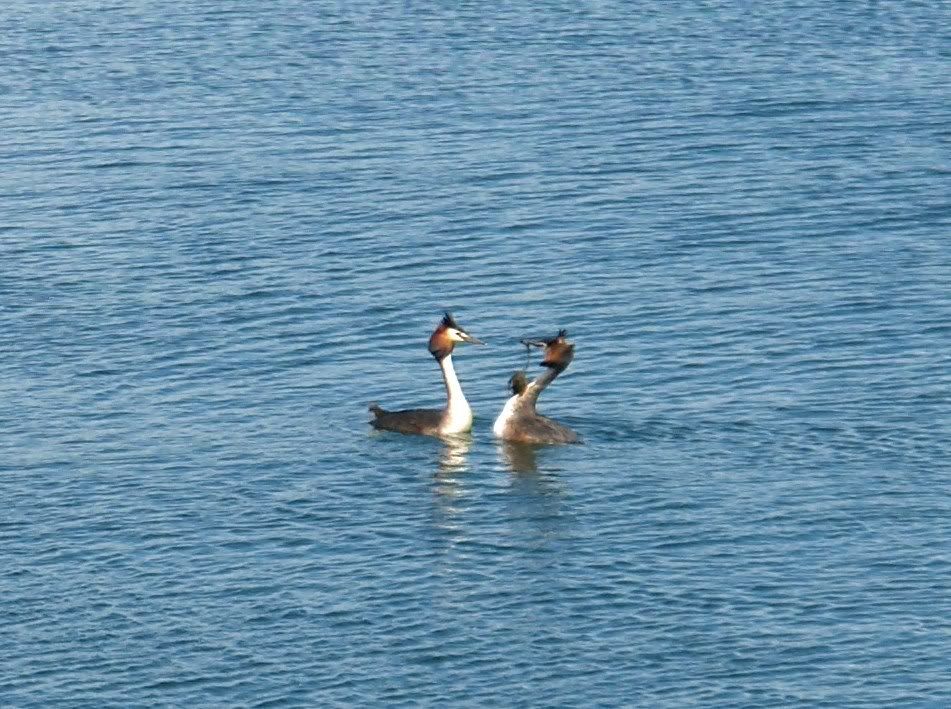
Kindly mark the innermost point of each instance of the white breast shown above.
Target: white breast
(458, 417)
(508, 411)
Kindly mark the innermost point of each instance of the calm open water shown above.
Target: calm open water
(226, 227)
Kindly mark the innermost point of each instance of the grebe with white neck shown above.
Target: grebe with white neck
(456, 417)
(519, 422)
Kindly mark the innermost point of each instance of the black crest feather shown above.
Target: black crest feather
(448, 321)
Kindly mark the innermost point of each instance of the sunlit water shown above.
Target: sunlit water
(226, 227)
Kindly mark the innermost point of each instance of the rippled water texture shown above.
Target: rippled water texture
(226, 227)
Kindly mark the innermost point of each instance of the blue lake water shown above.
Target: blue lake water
(226, 227)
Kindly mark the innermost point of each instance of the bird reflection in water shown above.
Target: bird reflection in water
(522, 460)
(448, 487)
(537, 496)
(519, 457)
(453, 457)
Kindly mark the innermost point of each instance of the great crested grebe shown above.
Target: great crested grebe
(519, 422)
(456, 417)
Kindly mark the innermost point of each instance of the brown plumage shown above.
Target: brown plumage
(424, 422)
(519, 422)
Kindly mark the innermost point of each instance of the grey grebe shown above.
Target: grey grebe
(519, 422)
(457, 416)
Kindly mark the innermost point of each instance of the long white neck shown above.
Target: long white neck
(458, 413)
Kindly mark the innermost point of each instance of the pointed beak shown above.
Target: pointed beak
(534, 343)
(466, 337)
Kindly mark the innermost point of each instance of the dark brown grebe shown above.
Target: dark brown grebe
(519, 422)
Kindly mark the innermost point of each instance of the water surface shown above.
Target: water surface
(227, 228)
